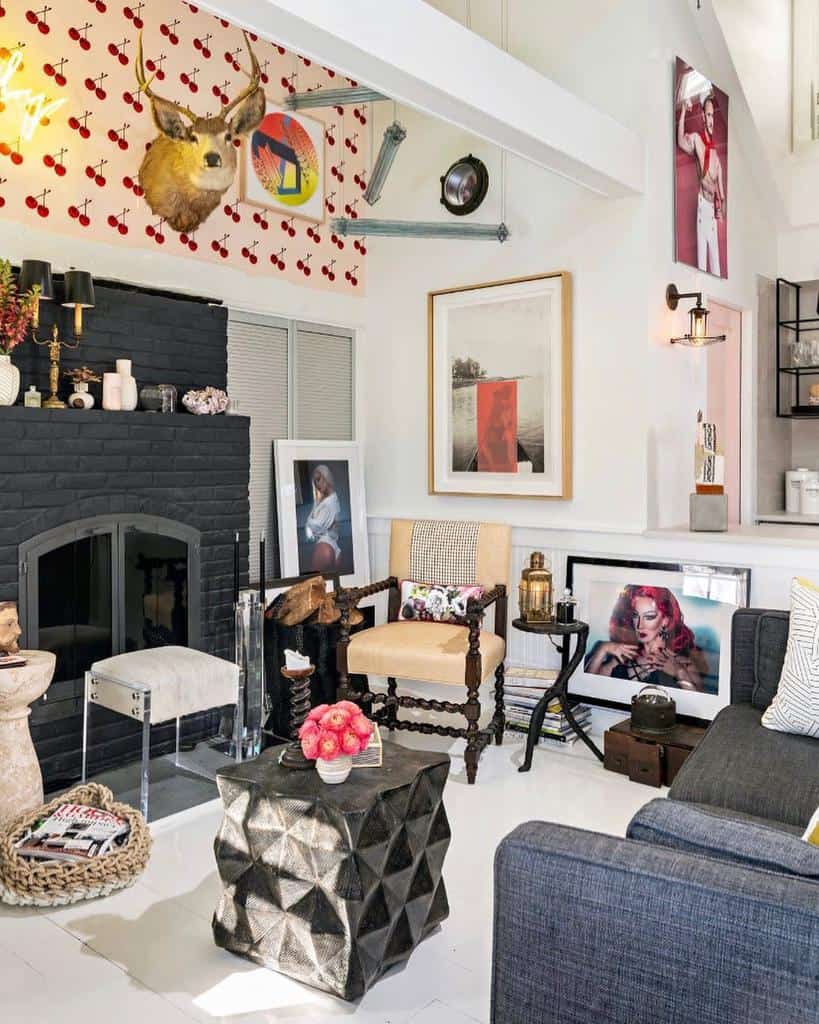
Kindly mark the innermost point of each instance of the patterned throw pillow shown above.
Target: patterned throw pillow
(423, 602)
(795, 708)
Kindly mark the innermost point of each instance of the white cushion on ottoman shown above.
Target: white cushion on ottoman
(180, 679)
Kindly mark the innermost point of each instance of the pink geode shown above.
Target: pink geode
(206, 401)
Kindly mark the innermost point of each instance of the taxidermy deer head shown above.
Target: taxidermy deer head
(192, 162)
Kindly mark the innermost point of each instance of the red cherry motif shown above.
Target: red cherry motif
(277, 261)
(338, 242)
(16, 158)
(359, 116)
(134, 15)
(154, 66)
(220, 94)
(360, 246)
(261, 221)
(202, 46)
(56, 72)
(169, 31)
(314, 235)
(100, 5)
(133, 101)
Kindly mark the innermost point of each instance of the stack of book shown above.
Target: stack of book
(522, 694)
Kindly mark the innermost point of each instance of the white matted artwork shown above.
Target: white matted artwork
(657, 624)
(321, 509)
(500, 389)
(283, 165)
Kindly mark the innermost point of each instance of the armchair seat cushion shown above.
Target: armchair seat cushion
(433, 652)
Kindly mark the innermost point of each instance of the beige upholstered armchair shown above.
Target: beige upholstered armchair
(457, 653)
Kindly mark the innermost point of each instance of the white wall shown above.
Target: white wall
(635, 397)
(162, 269)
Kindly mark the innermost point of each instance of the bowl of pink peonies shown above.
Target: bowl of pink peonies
(332, 735)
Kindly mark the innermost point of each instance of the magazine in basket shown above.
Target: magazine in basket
(73, 832)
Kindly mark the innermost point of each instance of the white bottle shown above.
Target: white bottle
(794, 479)
(129, 397)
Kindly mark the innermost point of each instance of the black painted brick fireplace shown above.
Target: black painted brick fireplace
(62, 466)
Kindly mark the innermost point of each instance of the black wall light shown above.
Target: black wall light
(464, 186)
(697, 319)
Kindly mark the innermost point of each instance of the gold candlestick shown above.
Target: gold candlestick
(55, 343)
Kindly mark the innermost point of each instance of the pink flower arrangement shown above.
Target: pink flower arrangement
(16, 310)
(333, 730)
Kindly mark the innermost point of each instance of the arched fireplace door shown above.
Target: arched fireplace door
(109, 584)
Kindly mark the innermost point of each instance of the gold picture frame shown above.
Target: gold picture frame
(455, 448)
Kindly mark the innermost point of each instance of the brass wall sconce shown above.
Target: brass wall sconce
(697, 319)
(78, 294)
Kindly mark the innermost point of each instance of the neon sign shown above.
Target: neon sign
(36, 106)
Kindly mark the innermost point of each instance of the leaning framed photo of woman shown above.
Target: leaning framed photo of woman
(656, 624)
(500, 389)
(321, 509)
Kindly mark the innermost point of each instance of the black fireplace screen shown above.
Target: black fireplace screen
(109, 585)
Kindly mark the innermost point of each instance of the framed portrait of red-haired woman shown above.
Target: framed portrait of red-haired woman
(664, 624)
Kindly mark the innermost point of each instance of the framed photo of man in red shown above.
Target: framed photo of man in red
(700, 171)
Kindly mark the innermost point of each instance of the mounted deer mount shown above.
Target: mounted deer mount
(192, 162)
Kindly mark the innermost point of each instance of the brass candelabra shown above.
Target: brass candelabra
(55, 343)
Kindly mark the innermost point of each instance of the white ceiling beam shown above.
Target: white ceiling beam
(425, 60)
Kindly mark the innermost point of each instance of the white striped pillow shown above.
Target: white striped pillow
(795, 708)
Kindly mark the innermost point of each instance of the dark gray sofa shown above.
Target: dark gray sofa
(708, 912)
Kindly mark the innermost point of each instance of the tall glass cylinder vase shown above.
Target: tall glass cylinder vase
(249, 652)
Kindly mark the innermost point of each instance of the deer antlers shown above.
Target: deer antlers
(253, 84)
(145, 83)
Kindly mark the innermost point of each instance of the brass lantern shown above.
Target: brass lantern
(535, 590)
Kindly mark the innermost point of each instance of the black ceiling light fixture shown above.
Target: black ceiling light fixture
(464, 186)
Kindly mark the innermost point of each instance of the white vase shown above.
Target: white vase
(9, 380)
(333, 772)
(129, 396)
(81, 399)
(111, 391)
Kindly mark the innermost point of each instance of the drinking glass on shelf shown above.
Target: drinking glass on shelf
(801, 354)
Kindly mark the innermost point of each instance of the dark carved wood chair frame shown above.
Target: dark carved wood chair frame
(476, 738)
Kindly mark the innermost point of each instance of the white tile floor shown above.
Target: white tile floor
(147, 955)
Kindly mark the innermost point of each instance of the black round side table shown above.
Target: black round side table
(560, 687)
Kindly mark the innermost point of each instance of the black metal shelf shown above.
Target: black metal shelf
(797, 325)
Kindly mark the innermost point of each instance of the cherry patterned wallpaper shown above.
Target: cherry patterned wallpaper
(78, 172)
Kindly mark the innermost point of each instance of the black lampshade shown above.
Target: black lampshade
(79, 289)
(33, 273)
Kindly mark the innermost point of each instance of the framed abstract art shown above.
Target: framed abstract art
(283, 165)
(500, 385)
(656, 624)
(321, 510)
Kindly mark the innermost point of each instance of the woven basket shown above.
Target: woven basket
(39, 883)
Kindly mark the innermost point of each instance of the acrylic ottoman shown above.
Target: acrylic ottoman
(332, 885)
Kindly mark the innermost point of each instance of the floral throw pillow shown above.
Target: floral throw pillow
(425, 602)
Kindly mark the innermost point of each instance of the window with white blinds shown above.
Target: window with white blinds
(323, 374)
(293, 379)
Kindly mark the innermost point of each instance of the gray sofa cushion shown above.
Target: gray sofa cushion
(744, 767)
(770, 643)
(696, 829)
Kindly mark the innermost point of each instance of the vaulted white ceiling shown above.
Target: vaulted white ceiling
(411, 52)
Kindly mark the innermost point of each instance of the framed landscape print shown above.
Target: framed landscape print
(700, 171)
(283, 165)
(659, 624)
(321, 510)
(500, 385)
